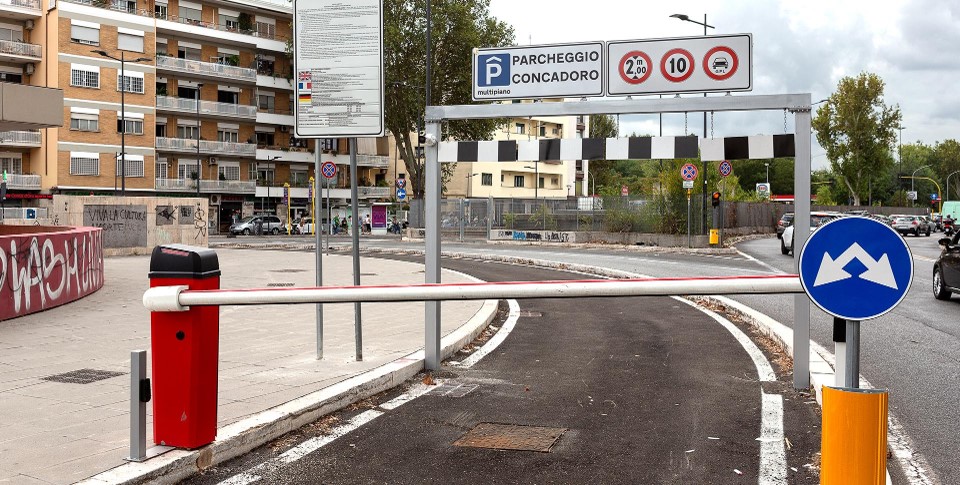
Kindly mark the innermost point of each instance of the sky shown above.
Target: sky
(798, 47)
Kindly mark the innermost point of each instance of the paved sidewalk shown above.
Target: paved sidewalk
(53, 432)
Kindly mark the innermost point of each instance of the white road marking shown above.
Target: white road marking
(497, 339)
(414, 392)
(761, 263)
(764, 370)
(773, 456)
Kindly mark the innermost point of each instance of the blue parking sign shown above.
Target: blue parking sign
(856, 268)
(493, 70)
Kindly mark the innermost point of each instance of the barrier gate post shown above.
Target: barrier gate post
(185, 350)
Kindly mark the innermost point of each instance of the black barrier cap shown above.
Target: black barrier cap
(182, 261)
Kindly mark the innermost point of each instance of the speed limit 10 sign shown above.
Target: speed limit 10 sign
(717, 63)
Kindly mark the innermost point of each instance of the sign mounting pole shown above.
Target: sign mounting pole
(318, 240)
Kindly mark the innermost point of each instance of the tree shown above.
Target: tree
(858, 130)
(946, 160)
(457, 27)
(603, 172)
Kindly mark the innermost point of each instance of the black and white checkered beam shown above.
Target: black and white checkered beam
(746, 147)
(634, 148)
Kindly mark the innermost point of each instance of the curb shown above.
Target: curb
(245, 435)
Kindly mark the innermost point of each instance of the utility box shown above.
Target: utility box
(184, 350)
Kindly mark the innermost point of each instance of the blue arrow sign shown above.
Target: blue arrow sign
(856, 268)
(401, 193)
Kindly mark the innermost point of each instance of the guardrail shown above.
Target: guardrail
(21, 49)
(208, 68)
(189, 105)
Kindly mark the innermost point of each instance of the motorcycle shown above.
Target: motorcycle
(948, 228)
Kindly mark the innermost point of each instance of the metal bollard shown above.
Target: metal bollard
(139, 396)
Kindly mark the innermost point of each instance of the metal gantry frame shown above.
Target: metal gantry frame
(798, 104)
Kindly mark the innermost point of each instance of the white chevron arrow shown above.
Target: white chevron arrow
(878, 271)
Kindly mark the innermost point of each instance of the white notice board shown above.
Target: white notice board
(338, 64)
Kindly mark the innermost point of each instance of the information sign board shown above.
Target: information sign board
(541, 71)
(716, 63)
(338, 66)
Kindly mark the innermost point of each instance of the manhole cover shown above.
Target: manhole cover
(453, 389)
(279, 285)
(83, 376)
(511, 437)
(529, 314)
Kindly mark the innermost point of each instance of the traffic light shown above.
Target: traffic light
(716, 199)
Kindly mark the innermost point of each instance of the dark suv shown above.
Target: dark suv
(946, 271)
(782, 224)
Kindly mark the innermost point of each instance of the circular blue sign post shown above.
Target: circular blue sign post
(401, 193)
(856, 268)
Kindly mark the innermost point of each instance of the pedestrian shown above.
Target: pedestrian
(336, 224)
(345, 225)
(366, 224)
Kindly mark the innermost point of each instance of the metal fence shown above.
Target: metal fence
(614, 214)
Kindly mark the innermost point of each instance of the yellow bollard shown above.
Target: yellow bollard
(854, 440)
(714, 236)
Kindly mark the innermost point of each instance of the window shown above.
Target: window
(188, 53)
(189, 15)
(85, 77)
(84, 122)
(9, 77)
(161, 130)
(328, 144)
(187, 169)
(230, 22)
(540, 182)
(265, 30)
(518, 180)
(11, 164)
(129, 6)
(190, 132)
(486, 179)
(556, 131)
(543, 131)
(298, 178)
(88, 34)
(554, 181)
(265, 139)
(187, 92)
(228, 171)
(130, 42)
(130, 83)
(160, 11)
(11, 35)
(160, 169)
(133, 126)
(228, 135)
(264, 175)
(134, 165)
(229, 97)
(266, 102)
(265, 67)
(82, 163)
(520, 128)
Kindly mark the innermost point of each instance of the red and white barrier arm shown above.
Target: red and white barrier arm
(178, 298)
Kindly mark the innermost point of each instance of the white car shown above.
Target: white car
(817, 219)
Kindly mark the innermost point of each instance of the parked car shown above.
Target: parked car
(946, 271)
(911, 225)
(931, 224)
(305, 226)
(248, 225)
(817, 219)
(785, 220)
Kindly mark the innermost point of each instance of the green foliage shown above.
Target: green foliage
(857, 129)
(603, 172)
(458, 26)
(622, 220)
(542, 218)
(245, 22)
(825, 196)
(509, 219)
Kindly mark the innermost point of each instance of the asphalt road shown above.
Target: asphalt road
(649, 390)
(913, 351)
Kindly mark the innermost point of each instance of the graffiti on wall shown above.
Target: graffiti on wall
(537, 236)
(166, 215)
(124, 226)
(199, 223)
(41, 271)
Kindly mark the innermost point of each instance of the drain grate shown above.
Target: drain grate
(511, 437)
(453, 389)
(279, 285)
(83, 376)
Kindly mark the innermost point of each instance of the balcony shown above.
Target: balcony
(29, 139)
(376, 161)
(23, 182)
(335, 192)
(20, 9)
(206, 186)
(220, 148)
(16, 51)
(209, 109)
(115, 5)
(206, 70)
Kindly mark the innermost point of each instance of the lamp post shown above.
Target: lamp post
(687, 18)
(262, 205)
(900, 156)
(914, 174)
(947, 194)
(122, 86)
(199, 86)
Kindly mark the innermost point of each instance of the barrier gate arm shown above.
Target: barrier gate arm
(179, 298)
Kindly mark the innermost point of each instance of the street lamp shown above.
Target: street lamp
(912, 179)
(263, 204)
(536, 178)
(199, 85)
(900, 155)
(122, 85)
(947, 194)
(687, 18)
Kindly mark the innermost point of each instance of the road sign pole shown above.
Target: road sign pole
(851, 374)
(354, 210)
(688, 218)
(839, 350)
(801, 190)
(431, 223)
(318, 239)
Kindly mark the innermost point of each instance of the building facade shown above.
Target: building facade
(169, 97)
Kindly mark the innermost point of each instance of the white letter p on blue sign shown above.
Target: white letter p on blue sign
(494, 70)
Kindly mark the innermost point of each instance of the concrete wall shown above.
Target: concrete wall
(42, 267)
(134, 225)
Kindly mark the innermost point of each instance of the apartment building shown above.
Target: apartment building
(171, 97)
(552, 179)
